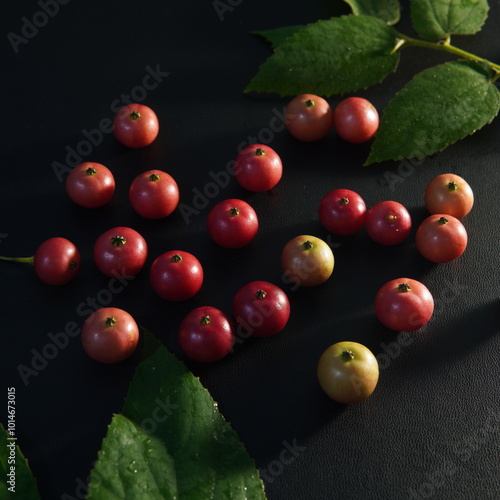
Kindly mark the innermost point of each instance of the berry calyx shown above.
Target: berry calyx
(110, 321)
(347, 355)
(404, 287)
(118, 241)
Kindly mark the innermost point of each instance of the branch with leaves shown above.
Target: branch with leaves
(438, 107)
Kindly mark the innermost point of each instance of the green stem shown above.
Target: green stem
(27, 260)
(446, 46)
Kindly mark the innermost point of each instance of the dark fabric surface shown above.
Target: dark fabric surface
(431, 428)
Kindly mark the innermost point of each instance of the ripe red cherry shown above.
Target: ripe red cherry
(154, 194)
(388, 223)
(110, 335)
(232, 223)
(120, 251)
(206, 334)
(136, 125)
(342, 212)
(404, 304)
(449, 194)
(261, 308)
(176, 275)
(355, 119)
(258, 168)
(308, 117)
(90, 185)
(441, 238)
(56, 261)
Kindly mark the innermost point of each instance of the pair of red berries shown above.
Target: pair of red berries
(233, 223)
(343, 212)
(153, 194)
(259, 308)
(309, 118)
(174, 275)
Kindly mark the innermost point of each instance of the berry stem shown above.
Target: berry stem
(446, 46)
(27, 260)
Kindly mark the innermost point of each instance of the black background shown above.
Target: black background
(430, 428)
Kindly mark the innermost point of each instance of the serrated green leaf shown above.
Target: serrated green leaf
(195, 444)
(132, 465)
(387, 10)
(24, 484)
(436, 19)
(278, 35)
(438, 107)
(334, 56)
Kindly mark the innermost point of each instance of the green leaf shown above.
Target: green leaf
(334, 56)
(277, 36)
(170, 419)
(132, 465)
(436, 108)
(436, 19)
(387, 10)
(24, 484)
